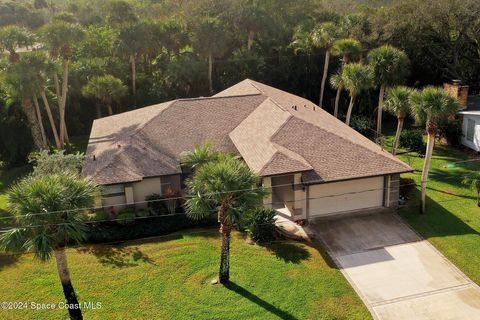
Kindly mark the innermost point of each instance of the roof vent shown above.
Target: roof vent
(294, 107)
(119, 146)
(94, 159)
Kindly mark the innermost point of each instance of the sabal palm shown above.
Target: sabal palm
(47, 209)
(324, 36)
(430, 106)
(12, 38)
(356, 78)
(229, 187)
(347, 49)
(473, 181)
(398, 104)
(337, 83)
(106, 88)
(60, 36)
(390, 66)
(198, 156)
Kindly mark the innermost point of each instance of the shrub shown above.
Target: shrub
(412, 140)
(260, 224)
(152, 226)
(363, 125)
(155, 204)
(126, 216)
(143, 213)
(451, 130)
(407, 185)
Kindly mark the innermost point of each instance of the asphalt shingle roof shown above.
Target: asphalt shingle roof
(275, 133)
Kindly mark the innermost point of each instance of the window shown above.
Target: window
(113, 190)
(470, 129)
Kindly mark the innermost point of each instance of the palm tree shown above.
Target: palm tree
(398, 103)
(356, 77)
(229, 187)
(106, 88)
(337, 83)
(390, 66)
(55, 201)
(347, 49)
(12, 38)
(211, 41)
(473, 181)
(198, 156)
(23, 84)
(324, 36)
(430, 106)
(59, 37)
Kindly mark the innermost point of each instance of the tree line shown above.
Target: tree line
(69, 62)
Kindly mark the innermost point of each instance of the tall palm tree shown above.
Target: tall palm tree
(324, 36)
(473, 181)
(23, 84)
(229, 187)
(12, 38)
(337, 83)
(398, 103)
(198, 156)
(356, 77)
(49, 220)
(211, 41)
(390, 66)
(348, 49)
(430, 106)
(60, 36)
(106, 88)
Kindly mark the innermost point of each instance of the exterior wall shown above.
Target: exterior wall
(267, 184)
(300, 197)
(292, 194)
(115, 202)
(392, 183)
(145, 188)
(475, 144)
(344, 196)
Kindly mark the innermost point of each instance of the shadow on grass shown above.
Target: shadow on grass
(7, 260)
(437, 221)
(259, 301)
(289, 252)
(317, 245)
(117, 256)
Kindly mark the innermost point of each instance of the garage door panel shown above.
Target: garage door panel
(345, 196)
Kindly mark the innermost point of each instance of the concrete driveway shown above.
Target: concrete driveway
(397, 274)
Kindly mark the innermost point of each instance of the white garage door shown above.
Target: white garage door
(345, 196)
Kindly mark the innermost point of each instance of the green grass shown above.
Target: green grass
(170, 279)
(452, 220)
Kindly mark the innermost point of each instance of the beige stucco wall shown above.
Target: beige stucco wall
(345, 196)
(115, 202)
(145, 188)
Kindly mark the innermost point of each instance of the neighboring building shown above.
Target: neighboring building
(315, 164)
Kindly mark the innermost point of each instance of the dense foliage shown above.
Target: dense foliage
(260, 224)
(168, 49)
(412, 140)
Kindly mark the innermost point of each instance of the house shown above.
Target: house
(314, 163)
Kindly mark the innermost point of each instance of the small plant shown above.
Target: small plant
(473, 181)
(260, 224)
(126, 216)
(156, 204)
(412, 140)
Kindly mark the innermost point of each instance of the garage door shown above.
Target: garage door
(345, 196)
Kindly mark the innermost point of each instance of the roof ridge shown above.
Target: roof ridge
(221, 97)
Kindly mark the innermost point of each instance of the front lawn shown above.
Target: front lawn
(452, 220)
(169, 278)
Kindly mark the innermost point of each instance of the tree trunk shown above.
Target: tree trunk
(324, 78)
(40, 121)
(50, 118)
(426, 164)
(29, 111)
(350, 108)
(210, 71)
(109, 108)
(225, 230)
(251, 37)
(380, 109)
(134, 80)
(74, 311)
(337, 102)
(63, 101)
(99, 110)
(400, 122)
